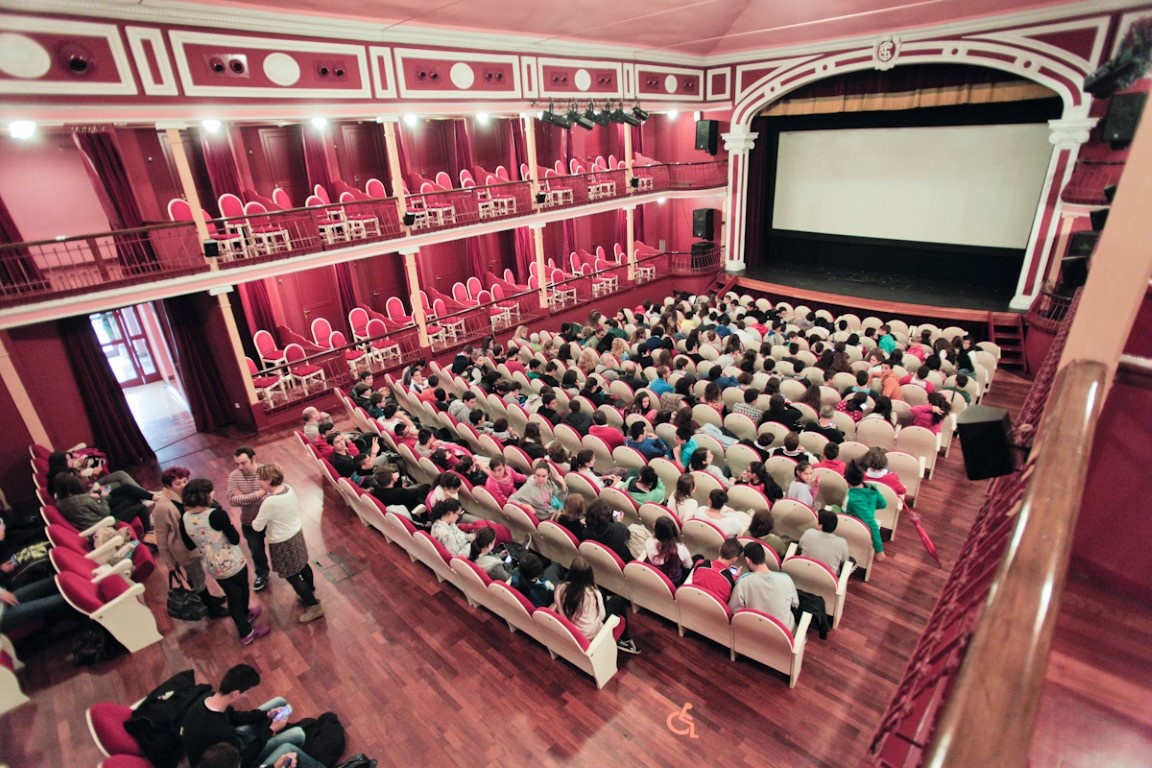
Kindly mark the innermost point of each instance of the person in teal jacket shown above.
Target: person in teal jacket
(862, 502)
(647, 487)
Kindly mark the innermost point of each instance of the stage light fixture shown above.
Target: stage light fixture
(578, 119)
(598, 116)
(550, 116)
(639, 113)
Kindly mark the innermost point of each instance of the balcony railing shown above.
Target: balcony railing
(69, 265)
(696, 261)
(35, 271)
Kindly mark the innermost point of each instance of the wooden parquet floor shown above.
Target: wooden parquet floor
(420, 678)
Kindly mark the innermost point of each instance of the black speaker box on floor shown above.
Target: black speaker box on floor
(702, 223)
(984, 438)
(707, 135)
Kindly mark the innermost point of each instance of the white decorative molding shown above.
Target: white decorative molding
(1070, 132)
(457, 57)
(885, 52)
(125, 85)
(138, 37)
(544, 92)
(711, 95)
(628, 87)
(739, 142)
(380, 56)
(356, 53)
(529, 77)
(664, 92)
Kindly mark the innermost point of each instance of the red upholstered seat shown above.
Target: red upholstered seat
(581, 641)
(80, 591)
(106, 721)
(6, 661)
(111, 588)
(523, 600)
(484, 577)
(126, 761)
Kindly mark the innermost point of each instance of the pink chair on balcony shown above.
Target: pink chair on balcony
(355, 357)
(374, 188)
(358, 322)
(301, 373)
(321, 330)
(460, 293)
(382, 348)
(502, 173)
(361, 224)
(280, 197)
(266, 348)
(453, 327)
(394, 308)
(502, 202)
(439, 212)
(268, 236)
(564, 294)
(329, 221)
(230, 243)
(443, 180)
(466, 178)
(512, 308)
(266, 384)
(322, 193)
(474, 286)
(499, 316)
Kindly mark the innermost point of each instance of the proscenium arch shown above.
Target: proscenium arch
(1061, 72)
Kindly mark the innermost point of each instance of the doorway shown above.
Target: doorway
(142, 363)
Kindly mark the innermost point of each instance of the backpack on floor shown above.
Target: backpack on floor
(324, 738)
(155, 723)
(357, 761)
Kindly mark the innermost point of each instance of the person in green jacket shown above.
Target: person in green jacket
(647, 487)
(862, 502)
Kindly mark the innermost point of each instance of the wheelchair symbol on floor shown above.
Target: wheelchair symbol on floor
(681, 723)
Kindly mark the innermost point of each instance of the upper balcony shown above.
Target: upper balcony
(39, 280)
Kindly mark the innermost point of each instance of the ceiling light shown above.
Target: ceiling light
(22, 129)
(672, 114)
(661, 200)
(212, 126)
(319, 123)
(410, 119)
(482, 118)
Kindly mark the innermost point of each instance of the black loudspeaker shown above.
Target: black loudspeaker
(1099, 218)
(1073, 274)
(984, 438)
(1123, 117)
(707, 135)
(705, 247)
(702, 222)
(1083, 243)
(409, 219)
(211, 248)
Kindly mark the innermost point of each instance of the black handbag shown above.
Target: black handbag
(183, 603)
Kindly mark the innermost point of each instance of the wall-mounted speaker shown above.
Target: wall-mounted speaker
(1099, 218)
(409, 219)
(707, 135)
(702, 223)
(984, 438)
(211, 248)
(1082, 243)
(1123, 117)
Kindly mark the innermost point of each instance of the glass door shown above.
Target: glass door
(126, 346)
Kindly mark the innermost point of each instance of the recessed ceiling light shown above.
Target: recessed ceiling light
(212, 126)
(319, 123)
(22, 129)
(482, 117)
(410, 119)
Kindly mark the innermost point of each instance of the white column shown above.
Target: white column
(738, 144)
(537, 229)
(1066, 136)
(413, 274)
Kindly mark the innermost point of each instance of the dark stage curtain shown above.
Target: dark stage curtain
(518, 148)
(316, 159)
(184, 316)
(569, 224)
(221, 165)
(106, 169)
(901, 80)
(758, 206)
(346, 287)
(114, 428)
(18, 272)
(257, 307)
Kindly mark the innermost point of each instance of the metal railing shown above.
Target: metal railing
(673, 176)
(696, 262)
(68, 265)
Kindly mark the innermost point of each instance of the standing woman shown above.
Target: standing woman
(280, 514)
(208, 529)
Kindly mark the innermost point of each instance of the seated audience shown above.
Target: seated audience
(646, 487)
(729, 521)
(480, 552)
(825, 425)
(543, 492)
(762, 527)
(823, 544)
(831, 460)
(803, 487)
(761, 589)
(528, 580)
(719, 576)
(602, 525)
(665, 550)
(582, 603)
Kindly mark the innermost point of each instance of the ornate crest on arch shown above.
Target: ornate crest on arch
(885, 52)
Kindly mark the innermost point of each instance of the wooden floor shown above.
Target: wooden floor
(420, 678)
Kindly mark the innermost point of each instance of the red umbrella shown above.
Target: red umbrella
(928, 545)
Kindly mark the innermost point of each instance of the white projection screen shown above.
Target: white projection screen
(960, 185)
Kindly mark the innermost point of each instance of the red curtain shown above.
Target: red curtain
(402, 159)
(220, 163)
(257, 306)
(517, 149)
(569, 224)
(110, 179)
(637, 146)
(18, 272)
(114, 429)
(316, 158)
(463, 152)
(525, 254)
(185, 318)
(346, 287)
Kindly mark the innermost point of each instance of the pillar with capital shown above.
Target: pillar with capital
(1066, 136)
(738, 144)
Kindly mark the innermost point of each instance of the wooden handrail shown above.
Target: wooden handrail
(992, 708)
